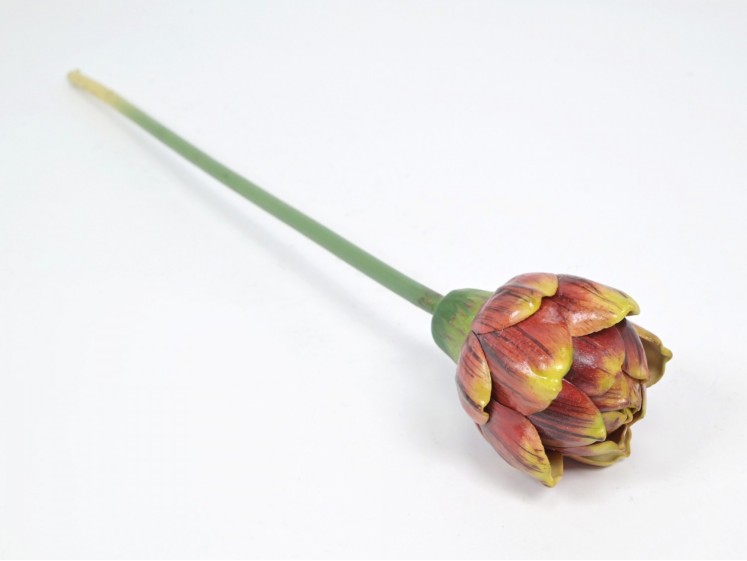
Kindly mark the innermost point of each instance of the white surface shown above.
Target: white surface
(181, 375)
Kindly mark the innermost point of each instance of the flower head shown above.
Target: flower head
(550, 368)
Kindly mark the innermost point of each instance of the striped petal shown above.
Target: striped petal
(528, 360)
(589, 306)
(473, 380)
(571, 420)
(597, 358)
(657, 355)
(606, 453)
(624, 393)
(517, 442)
(515, 301)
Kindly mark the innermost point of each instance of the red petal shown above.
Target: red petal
(571, 420)
(517, 441)
(635, 364)
(473, 380)
(597, 358)
(528, 360)
(589, 306)
(624, 393)
(515, 301)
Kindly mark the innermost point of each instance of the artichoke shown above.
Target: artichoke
(548, 367)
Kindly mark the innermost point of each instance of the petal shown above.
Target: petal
(641, 413)
(528, 360)
(517, 441)
(478, 415)
(515, 301)
(597, 358)
(613, 420)
(589, 306)
(606, 453)
(635, 365)
(624, 393)
(571, 420)
(657, 355)
(473, 380)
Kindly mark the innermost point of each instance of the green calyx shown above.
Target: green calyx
(453, 317)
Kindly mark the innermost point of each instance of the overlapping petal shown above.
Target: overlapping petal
(515, 301)
(613, 420)
(635, 364)
(552, 368)
(572, 419)
(657, 355)
(624, 393)
(602, 454)
(473, 380)
(589, 306)
(518, 442)
(528, 361)
(597, 358)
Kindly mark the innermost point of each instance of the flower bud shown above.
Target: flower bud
(549, 367)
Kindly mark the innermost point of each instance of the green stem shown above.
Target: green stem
(409, 289)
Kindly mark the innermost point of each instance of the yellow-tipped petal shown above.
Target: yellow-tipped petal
(613, 420)
(635, 364)
(624, 393)
(556, 468)
(515, 301)
(603, 454)
(590, 306)
(572, 419)
(529, 360)
(517, 442)
(597, 358)
(657, 355)
(473, 380)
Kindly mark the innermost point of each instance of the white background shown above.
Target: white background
(181, 375)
